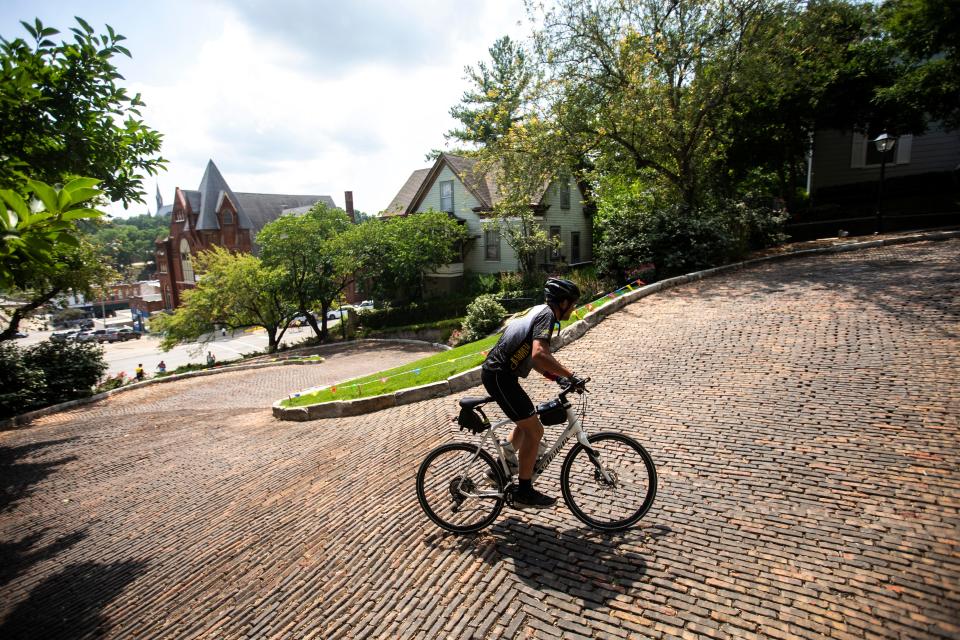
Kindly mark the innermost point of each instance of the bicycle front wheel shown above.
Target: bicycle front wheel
(614, 501)
(460, 487)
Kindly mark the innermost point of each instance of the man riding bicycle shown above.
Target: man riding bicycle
(525, 345)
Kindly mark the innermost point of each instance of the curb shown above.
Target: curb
(470, 378)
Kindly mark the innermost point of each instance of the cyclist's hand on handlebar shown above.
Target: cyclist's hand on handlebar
(574, 383)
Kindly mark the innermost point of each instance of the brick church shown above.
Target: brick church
(215, 215)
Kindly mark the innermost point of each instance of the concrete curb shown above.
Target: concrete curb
(573, 332)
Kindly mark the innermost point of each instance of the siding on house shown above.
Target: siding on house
(463, 205)
(834, 155)
(569, 220)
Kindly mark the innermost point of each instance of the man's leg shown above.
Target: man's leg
(526, 438)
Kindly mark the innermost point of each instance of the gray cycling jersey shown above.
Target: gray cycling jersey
(512, 352)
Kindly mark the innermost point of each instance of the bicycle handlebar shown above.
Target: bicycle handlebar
(568, 385)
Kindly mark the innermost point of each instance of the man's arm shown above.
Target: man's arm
(545, 363)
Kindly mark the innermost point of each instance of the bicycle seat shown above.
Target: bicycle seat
(474, 401)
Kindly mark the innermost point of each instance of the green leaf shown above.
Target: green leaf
(80, 183)
(15, 202)
(30, 29)
(46, 194)
(83, 23)
(80, 214)
(79, 196)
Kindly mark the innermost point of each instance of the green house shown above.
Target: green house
(455, 185)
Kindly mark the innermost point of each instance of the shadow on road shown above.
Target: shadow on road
(591, 565)
(69, 604)
(17, 477)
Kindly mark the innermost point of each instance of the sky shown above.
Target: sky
(291, 96)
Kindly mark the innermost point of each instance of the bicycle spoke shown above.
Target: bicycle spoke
(455, 489)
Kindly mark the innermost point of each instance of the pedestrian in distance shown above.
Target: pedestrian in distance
(140, 373)
(162, 367)
(211, 360)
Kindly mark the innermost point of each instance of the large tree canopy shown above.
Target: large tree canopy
(63, 113)
(311, 257)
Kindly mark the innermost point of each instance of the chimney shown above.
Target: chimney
(348, 203)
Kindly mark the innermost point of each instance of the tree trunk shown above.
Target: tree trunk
(272, 339)
(313, 323)
(21, 312)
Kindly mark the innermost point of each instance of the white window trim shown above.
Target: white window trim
(486, 245)
(452, 201)
(858, 153)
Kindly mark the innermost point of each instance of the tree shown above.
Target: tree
(43, 253)
(641, 84)
(62, 114)
(924, 34)
(497, 98)
(235, 291)
(392, 255)
(306, 250)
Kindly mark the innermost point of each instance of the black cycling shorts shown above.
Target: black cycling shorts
(506, 390)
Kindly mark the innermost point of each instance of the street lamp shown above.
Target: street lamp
(884, 144)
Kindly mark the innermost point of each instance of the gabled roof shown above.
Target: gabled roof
(212, 189)
(262, 208)
(405, 196)
(481, 184)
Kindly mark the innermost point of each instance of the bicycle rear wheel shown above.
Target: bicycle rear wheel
(460, 487)
(609, 506)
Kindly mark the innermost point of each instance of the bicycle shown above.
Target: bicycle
(608, 479)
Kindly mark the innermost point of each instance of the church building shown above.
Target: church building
(216, 216)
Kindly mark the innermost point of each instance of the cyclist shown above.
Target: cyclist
(523, 346)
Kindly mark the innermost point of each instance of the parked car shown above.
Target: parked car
(63, 336)
(85, 336)
(126, 333)
(335, 314)
(19, 334)
(108, 335)
(365, 305)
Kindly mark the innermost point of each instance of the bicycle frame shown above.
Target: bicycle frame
(574, 427)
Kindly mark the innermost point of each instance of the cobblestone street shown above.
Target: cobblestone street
(804, 416)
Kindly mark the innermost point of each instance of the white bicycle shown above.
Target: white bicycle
(608, 479)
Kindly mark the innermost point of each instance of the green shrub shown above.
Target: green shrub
(480, 283)
(637, 227)
(484, 316)
(47, 373)
(21, 387)
(431, 311)
(70, 369)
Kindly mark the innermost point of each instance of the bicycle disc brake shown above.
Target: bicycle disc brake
(598, 476)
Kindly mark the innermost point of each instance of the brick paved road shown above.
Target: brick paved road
(803, 415)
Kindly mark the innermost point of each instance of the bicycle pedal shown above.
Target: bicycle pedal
(508, 494)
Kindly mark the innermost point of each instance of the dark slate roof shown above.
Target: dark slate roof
(262, 208)
(409, 189)
(212, 188)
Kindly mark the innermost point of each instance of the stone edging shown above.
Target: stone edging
(471, 378)
(24, 418)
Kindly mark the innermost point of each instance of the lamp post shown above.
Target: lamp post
(884, 144)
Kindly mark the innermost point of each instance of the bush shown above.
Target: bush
(21, 387)
(433, 311)
(484, 316)
(637, 227)
(71, 369)
(481, 283)
(47, 373)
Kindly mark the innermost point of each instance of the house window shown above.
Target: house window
(446, 196)
(574, 247)
(492, 244)
(864, 153)
(564, 191)
(178, 215)
(162, 266)
(555, 236)
(227, 217)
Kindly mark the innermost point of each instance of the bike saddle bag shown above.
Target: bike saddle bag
(473, 421)
(552, 412)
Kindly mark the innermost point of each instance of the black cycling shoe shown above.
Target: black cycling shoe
(533, 499)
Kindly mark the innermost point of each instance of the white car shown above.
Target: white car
(366, 305)
(334, 314)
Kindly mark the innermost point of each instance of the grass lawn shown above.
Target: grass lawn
(433, 368)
